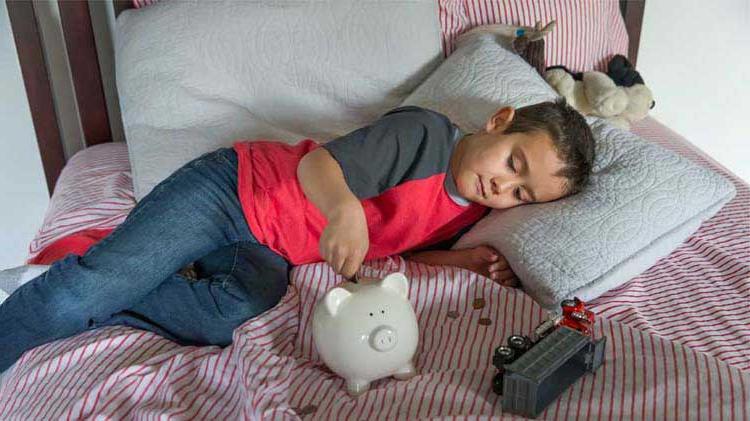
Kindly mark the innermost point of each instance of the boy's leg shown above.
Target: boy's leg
(188, 215)
(235, 283)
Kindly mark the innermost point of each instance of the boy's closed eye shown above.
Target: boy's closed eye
(517, 192)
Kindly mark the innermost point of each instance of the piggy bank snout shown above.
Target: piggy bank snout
(383, 338)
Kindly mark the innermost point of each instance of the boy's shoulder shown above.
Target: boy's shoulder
(433, 120)
(418, 111)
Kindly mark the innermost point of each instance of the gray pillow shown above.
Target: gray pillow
(643, 200)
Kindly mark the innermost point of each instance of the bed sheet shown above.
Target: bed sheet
(273, 372)
(678, 347)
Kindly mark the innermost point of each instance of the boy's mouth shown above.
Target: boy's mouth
(480, 187)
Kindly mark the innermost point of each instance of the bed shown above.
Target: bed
(679, 334)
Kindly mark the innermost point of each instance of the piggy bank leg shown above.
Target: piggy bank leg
(357, 387)
(406, 372)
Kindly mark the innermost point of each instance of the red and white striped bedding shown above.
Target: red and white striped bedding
(94, 191)
(272, 371)
(587, 35)
(677, 347)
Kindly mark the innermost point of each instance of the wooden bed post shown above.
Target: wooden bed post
(632, 13)
(84, 67)
(23, 22)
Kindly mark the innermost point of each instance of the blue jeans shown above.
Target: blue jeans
(130, 277)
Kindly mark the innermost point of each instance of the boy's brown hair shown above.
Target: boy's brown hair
(570, 134)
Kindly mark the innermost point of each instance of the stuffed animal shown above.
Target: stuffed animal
(620, 96)
(526, 41)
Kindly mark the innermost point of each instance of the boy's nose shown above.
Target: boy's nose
(500, 186)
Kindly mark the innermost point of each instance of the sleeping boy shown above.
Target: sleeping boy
(409, 181)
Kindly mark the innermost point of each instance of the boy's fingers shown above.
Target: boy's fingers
(497, 266)
(352, 264)
(489, 254)
(337, 262)
(346, 269)
(504, 274)
(511, 282)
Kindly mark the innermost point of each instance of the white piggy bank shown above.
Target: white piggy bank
(367, 331)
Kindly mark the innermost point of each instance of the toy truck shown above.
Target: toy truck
(533, 372)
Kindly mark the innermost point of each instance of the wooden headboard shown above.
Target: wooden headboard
(77, 27)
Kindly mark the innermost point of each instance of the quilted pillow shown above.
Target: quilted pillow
(643, 201)
(195, 76)
(587, 35)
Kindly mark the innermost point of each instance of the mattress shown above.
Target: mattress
(678, 346)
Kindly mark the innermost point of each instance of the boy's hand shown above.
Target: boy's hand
(345, 240)
(483, 260)
(487, 261)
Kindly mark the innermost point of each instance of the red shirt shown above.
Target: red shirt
(391, 166)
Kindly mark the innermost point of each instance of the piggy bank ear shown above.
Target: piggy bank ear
(334, 298)
(398, 283)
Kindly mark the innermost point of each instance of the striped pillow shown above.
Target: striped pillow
(141, 3)
(94, 192)
(587, 35)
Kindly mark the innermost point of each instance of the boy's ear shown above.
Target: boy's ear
(501, 119)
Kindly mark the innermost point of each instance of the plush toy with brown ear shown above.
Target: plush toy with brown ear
(526, 41)
(598, 94)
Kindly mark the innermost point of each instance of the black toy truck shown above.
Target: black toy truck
(533, 373)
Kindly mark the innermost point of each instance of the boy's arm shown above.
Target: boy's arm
(404, 144)
(344, 242)
(436, 257)
(483, 260)
(363, 164)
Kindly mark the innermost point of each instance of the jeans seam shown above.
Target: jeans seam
(117, 232)
(234, 265)
(157, 190)
(220, 154)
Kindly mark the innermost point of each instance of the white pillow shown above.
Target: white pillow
(482, 75)
(195, 76)
(642, 203)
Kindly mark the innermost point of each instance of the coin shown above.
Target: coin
(309, 409)
(478, 303)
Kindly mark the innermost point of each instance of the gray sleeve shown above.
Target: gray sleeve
(405, 143)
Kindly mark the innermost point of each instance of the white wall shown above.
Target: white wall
(695, 56)
(23, 190)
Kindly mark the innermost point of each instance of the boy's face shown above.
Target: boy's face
(505, 170)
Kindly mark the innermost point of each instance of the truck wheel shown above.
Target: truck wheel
(519, 343)
(503, 355)
(568, 303)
